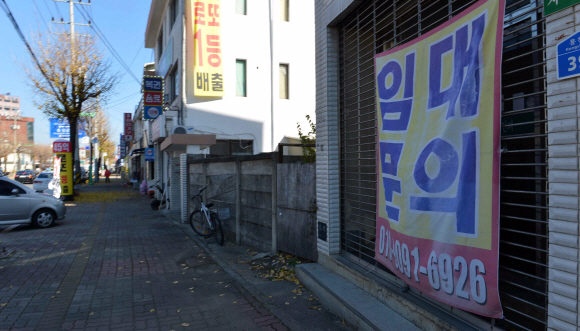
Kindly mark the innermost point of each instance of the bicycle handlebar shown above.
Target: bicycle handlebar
(199, 193)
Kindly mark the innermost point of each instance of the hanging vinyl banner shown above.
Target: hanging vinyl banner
(438, 100)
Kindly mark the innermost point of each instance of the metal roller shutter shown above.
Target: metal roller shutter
(378, 25)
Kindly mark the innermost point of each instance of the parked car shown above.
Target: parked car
(25, 176)
(40, 183)
(22, 205)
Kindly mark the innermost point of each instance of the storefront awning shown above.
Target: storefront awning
(179, 142)
(137, 151)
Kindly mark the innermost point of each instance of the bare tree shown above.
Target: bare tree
(6, 147)
(102, 129)
(73, 73)
(42, 154)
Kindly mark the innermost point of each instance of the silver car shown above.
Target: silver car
(22, 205)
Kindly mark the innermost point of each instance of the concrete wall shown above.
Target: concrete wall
(249, 187)
(296, 209)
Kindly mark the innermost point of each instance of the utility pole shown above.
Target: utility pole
(72, 24)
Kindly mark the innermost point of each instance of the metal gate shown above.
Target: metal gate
(378, 25)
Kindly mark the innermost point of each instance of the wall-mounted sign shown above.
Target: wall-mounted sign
(439, 115)
(152, 97)
(552, 6)
(63, 151)
(128, 127)
(568, 57)
(60, 128)
(208, 73)
(149, 154)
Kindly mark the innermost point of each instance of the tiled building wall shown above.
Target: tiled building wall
(563, 112)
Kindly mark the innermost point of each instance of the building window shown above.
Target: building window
(172, 12)
(232, 147)
(284, 15)
(241, 90)
(173, 84)
(30, 131)
(241, 7)
(284, 81)
(160, 44)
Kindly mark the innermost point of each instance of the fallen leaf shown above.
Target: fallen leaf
(287, 303)
(184, 324)
(235, 302)
(147, 282)
(152, 310)
(2, 304)
(221, 295)
(175, 282)
(92, 313)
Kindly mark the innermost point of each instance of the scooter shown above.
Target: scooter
(155, 204)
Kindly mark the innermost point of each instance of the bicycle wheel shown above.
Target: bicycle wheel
(218, 230)
(199, 223)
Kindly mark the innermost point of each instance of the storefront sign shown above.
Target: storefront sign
(208, 73)
(123, 147)
(552, 6)
(568, 54)
(438, 160)
(128, 127)
(149, 154)
(63, 150)
(152, 97)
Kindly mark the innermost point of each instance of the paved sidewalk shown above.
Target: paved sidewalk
(122, 266)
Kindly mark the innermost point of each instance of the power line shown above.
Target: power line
(50, 11)
(101, 35)
(139, 51)
(17, 28)
(58, 10)
(39, 13)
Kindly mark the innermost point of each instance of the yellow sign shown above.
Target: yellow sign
(63, 150)
(208, 72)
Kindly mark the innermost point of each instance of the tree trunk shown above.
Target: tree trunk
(74, 144)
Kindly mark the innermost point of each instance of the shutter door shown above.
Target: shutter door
(378, 25)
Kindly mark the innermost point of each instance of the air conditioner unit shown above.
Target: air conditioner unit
(180, 129)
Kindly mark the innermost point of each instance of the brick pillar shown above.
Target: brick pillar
(184, 187)
(175, 185)
(563, 112)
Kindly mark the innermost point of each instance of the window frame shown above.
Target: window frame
(285, 3)
(173, 83)
(172, 13)
(287, 65)
(245, 62)
(245, 8)
(160, 45)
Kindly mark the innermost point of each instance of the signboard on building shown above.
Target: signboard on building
(123, 147)
(438, 160)
(128, 127)
(568, 57)
(208, 73)
(60, 128)
(152, 97)
(552, 6)
(63, 150)
(149, 154)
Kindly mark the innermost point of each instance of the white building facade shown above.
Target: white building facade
(267, 56)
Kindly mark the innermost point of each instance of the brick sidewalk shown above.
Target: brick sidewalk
(118, 266)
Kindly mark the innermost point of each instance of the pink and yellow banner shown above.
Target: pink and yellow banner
(438, 152)
(209, 80)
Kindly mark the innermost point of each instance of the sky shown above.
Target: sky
(122, 22)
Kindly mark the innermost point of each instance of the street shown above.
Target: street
(121, 266)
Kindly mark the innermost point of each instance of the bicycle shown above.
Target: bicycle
(205, 222)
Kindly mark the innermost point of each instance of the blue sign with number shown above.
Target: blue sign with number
(568, 57)
(149, 154)
(59, 128)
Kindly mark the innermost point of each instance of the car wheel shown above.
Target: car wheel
(44, 218)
